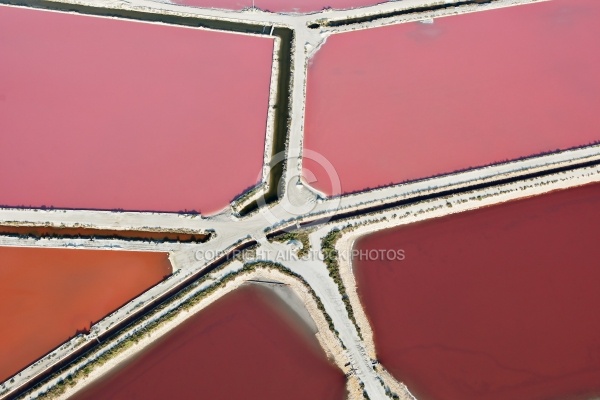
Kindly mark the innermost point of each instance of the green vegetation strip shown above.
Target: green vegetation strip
(331, 260)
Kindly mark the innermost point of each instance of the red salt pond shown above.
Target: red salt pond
(48, 295)
(416, 100)
(498, 303)
(299, 6)
(245, 345)
(98, 113)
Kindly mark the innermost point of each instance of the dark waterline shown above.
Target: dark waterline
(93, 233)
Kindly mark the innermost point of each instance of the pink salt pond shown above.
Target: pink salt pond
(410, 101)
(246, 345)
(492, 304)
(99, 113)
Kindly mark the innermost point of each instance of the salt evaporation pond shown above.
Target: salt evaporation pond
(49, 295)
(100, 113)
(415, 100)
(492, 304)
(245, 345)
